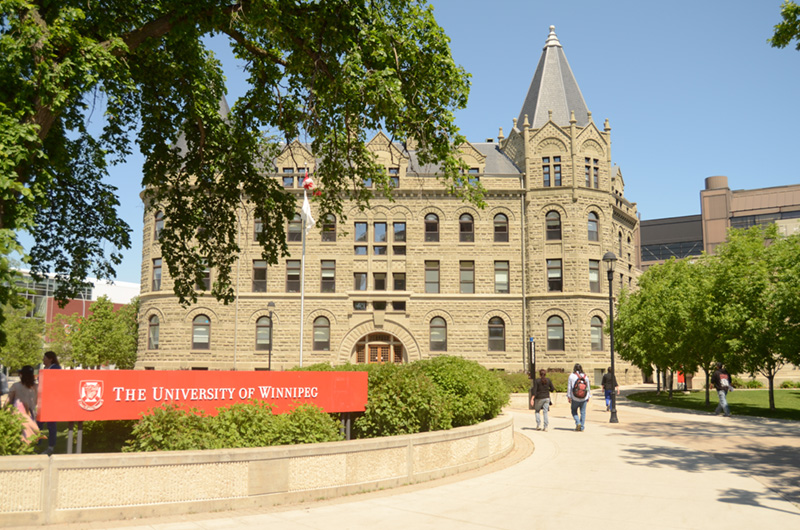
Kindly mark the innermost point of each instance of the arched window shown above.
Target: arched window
(295, 232)
(159, 225)
(593, 232)
(497, 334)
(555, 333)
(501, 228)
(597, 334)
(553, 224)
(619, 237)
(438, 334)
(431, 227)
(152, 333)
(201, 333)
(329, 228)
(322, 334)
(264, 333)
(466, 229)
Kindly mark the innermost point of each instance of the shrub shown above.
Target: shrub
(515, 382)
(559, 380)
(307, 424)
(750, 383)
(244, 425)
(475, 393)
(790, 384)
(106, 436)
(402, 400)
(11, 442)
(170, 428)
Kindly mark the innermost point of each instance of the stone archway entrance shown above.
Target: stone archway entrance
(379, 348)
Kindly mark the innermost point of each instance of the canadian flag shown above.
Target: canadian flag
(308, 219)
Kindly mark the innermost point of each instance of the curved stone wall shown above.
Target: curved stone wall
(97, 487)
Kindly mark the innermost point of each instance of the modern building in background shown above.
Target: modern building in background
(45, 307)
(428, 274)
(721, 208)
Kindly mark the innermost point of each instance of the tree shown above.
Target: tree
(105, 336)
(328, 72)
(789, 29)
(23, 338)
(758, 281)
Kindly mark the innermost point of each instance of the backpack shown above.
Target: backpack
(581, 387)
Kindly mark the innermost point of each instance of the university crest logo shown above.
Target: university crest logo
(91, 395)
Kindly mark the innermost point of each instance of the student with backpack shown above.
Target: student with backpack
(579, 390)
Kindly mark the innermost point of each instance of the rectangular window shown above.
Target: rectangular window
(379, 305)
(596, 174)
(367, 182)
(557, 171)
(394, 177)
(360, 250)
(379, 281)
(399, 281)
(361, 232)
(501, 277)
(546, 175)
(288, 182)
(359, 306)
(292, 275)
(467, 277)
(398, 305)
(431, 276)
(258, 227)
(295, 231)
(554, 281)
(328, 276)
(399, 232)
(399, 250)
(329, 229)
(380, 250)
(205, 283)
(259, 276)
(360, 281)
(157, 274)
(379, 236)
(587, 172)
(594, 275)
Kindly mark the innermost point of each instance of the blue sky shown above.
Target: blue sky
(691, 89)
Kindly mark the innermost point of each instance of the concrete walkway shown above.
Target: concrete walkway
(656, 469)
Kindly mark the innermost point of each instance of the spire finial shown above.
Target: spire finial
(572, 119)
(606, 126)
(589, 115)
(500, 135)
(515, 123)
(526, 123)
(552, 40)
(549, 115)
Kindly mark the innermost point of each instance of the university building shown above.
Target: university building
(428, 274)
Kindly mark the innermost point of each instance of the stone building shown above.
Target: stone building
(429, 274)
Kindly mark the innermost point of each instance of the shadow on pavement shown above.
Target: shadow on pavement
(747, 498)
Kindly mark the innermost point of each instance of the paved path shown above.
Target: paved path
(656, 469)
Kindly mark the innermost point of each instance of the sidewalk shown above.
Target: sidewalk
(655, 469)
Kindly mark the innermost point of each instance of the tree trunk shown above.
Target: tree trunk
(771, 379)
(658, 381)
(671, 377)
(708, 384)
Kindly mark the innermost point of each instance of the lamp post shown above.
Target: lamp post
(610, 259)
(270, 306)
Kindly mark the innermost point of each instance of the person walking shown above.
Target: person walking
(541, 398)
(610, 385)
(23, 396)
(721, 380)
(50, 361)
(579, 390)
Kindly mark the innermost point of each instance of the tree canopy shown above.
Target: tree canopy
(789, 28)
(81, 82)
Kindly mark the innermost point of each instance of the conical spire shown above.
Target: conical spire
(554, 88)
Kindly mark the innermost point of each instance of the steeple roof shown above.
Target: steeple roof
(553, 88)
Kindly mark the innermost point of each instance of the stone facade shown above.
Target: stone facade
(453, 260)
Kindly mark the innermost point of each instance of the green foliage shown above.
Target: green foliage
(515, 382)
(106, 436)
(11, 442)
(790, 384)
(474, 393)
(170, 428)
(789, 29)
(23, 338)
(402, 400)
(103, 337)
(386, 66)
(559, 380)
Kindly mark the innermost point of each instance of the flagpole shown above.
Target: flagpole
(303, 283)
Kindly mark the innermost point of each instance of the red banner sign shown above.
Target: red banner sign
(88, 395)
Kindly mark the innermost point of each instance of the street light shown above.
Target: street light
(611, 260)
(270, 306)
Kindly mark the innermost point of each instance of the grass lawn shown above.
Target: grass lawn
(742, 402)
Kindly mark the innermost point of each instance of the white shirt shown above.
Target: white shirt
(571, 381)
